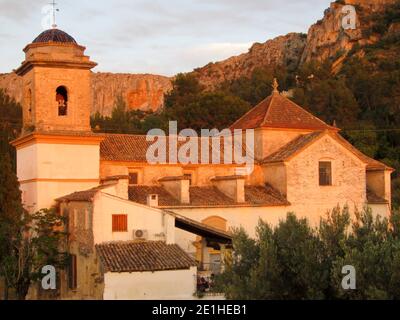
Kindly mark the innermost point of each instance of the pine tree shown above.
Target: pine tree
(11, 212)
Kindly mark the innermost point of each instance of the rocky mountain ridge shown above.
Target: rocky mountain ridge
(326, 39)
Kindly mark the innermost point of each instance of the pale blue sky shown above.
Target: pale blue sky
(158, 36)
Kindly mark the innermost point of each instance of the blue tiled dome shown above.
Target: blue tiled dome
(54, 35)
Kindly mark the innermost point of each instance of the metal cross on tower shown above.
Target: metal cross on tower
(54, 4)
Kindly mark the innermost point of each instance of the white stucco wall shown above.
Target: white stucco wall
(159, 285)
(47, 171)
(41, 195)
(153, 220)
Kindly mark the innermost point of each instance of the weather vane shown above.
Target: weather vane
(54, 4)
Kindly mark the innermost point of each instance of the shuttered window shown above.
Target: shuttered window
(325, 173)
(119, 223)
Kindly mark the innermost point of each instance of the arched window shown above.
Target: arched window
(62, 100)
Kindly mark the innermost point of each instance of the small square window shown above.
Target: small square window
(133, 178)
(325, 173)
(120, 223)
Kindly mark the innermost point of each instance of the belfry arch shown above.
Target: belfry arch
(62, 101)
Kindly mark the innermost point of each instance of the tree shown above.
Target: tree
(122, 119)
(208, 111)
(10, 123)
(37, 244)
(373, 248)
(11, 211)
(27, 242)
(185, 88)
(294, 261)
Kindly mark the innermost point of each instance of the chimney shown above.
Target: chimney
(152, 200)
(231, 186)
(120, 184)
(178, 187)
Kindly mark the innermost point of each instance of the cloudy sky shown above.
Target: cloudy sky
(158, 36)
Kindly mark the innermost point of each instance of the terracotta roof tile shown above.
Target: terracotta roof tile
(260, 195)
(123, 147)
(143, 256)
(277, 111)
(86, 195)
(133, 148)
(139, 194)
(209, 196)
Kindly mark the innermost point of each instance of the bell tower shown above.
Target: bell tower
(56, 82)
(57, 153)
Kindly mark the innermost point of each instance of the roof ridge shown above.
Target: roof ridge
(248, 112)
(272, 95)
(309, 113)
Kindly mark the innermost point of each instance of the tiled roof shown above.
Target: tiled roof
(259, 195)
(373, 198)
(124, 147)
(86, 195)
(302, 141)
(143, 256)
(133, 148)
(277, 111)
(209, 196)
(54, 35)
(139, 194)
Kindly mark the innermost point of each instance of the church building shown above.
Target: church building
(137, 229)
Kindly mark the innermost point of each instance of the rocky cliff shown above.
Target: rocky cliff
(283, 50)
(325, 39)
(140, 91)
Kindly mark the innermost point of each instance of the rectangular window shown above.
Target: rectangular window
(72, 273)
(120, 223)
(133, 178)
(325, 173)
